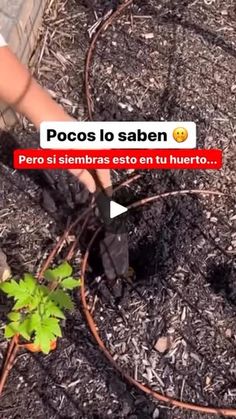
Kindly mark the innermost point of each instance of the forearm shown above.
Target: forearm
(19, 90)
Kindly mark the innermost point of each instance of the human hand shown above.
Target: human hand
(24, 93)
(92, 179)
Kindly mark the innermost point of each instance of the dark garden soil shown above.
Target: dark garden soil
(162, 60)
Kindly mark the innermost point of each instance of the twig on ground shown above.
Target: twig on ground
(173, 193)
(9, 362)
(103, 27)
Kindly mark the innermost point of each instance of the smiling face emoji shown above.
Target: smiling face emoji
(180, 134)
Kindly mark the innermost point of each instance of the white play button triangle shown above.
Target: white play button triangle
(116, 209)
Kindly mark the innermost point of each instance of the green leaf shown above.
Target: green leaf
(60, 272)
(11, 288)
(11, 329)
(30, 283)
(9, 332)
(52, 325)
(24, 329)
(43, 338)
(51, 309)
(23, 301)
(70, 283)
(22, 292)
(43, 291)
(34, 302)
(62, 299)
(46, 333)
(50, 275)
(27, 285)
(34, 322)
(14, 316)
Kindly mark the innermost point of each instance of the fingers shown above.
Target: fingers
(104, 176)
(86, 178)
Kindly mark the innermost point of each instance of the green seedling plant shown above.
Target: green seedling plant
(39, 307)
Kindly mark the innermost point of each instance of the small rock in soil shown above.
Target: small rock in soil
(162, 344)
(5, 271)
(228, 333)
(156, 413)
(208, 381)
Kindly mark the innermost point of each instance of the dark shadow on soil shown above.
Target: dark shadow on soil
(59, 193)
(222, 278)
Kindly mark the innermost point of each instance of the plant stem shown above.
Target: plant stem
(12, 351)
